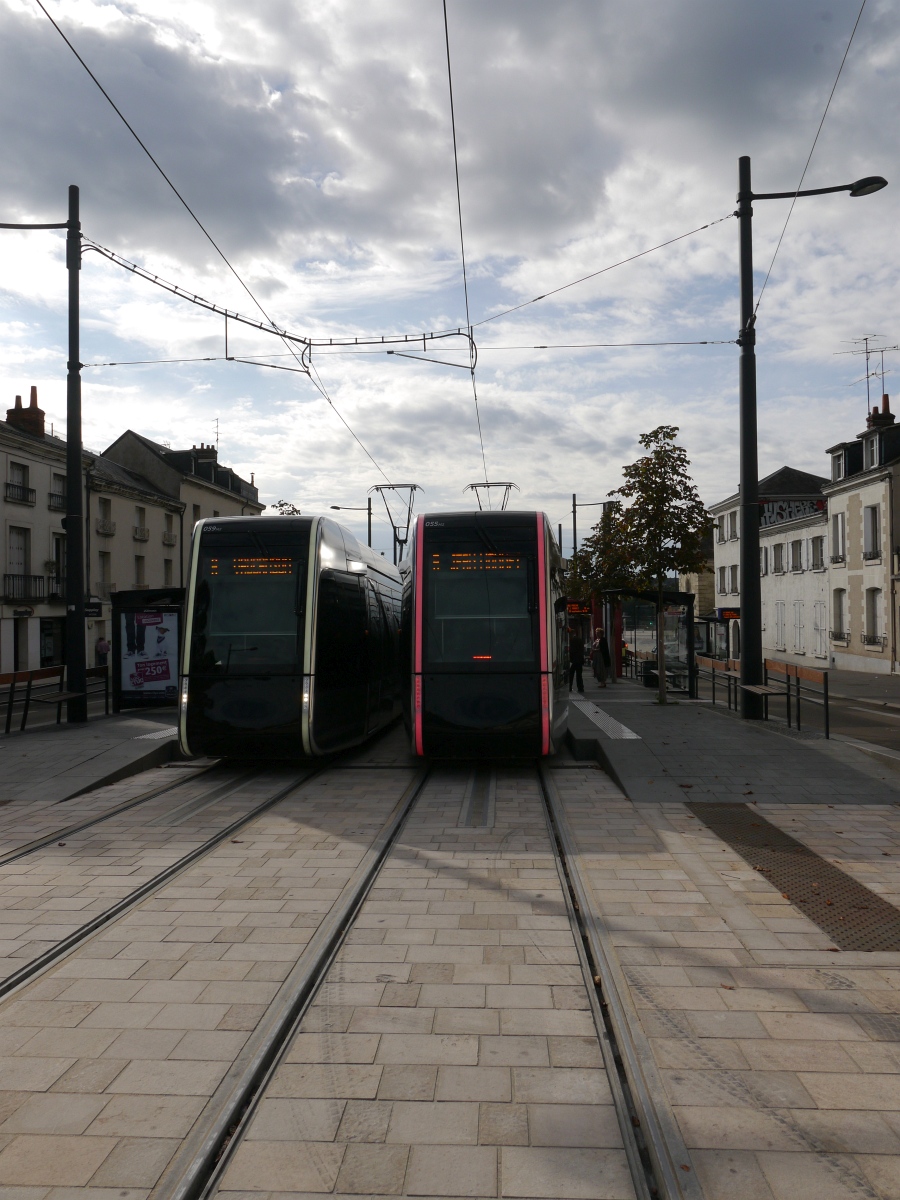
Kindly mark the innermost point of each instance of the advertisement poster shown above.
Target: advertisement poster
(149, 642)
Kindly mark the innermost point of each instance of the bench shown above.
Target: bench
(47, 686)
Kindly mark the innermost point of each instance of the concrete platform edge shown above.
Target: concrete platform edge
(162, 752)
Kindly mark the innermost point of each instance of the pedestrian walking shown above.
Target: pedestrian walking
(101, 650)
(576, 660)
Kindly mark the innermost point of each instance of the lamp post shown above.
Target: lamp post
(357, 508)
(751, 597)
(76, 660)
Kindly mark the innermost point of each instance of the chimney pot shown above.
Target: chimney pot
(28, 420)
(885, 403)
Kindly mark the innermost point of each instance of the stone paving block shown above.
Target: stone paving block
(560, 1085)
(25, 1074)
(327, 1081)
(474, 1083)
(297, 1120)
(365, 1121)
(432, 1049)
(134, 1163)
(812, 1176)
(563, 1174)
(373, 1170)
(284, 1166)
(408, 1083)
(52, 1160)
(587, 1125)
(452, 1171)
(147, 1116)
(433, 1124)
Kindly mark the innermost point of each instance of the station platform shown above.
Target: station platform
(53, 763)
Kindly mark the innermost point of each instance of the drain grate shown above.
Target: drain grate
(854, 917)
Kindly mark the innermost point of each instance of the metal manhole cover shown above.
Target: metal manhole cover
(854, 917)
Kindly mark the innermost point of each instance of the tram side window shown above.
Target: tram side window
(246, 612)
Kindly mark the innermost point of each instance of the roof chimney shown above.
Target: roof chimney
(879, 419)
(27, 420)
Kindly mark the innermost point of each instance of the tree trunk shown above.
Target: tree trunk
(661, 643)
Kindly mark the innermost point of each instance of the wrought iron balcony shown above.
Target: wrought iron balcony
(170, 539)
(23, 587)
(838, 558)
(105, 528)
(56, 587)
(17, 493)
(870, 554)
(56, 501)
(839, 635)
(140, 533)
(873, 639)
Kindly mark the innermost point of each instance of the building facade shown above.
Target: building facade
(793, 567)
(194, 479)
(864, 563)
(135, 532)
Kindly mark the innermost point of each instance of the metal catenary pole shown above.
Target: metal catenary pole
(749, 583)
(75, 629)
(369, 508)
(574, 523)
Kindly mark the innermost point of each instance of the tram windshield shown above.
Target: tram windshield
(480, 599)
(248, 604)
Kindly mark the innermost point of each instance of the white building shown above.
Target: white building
(865, 531)
(793, 567)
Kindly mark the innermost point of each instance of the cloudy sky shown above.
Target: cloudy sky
(313, 140)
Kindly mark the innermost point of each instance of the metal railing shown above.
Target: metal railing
(105, 528)
(56, 501)
(140, 533)
(23, 587)
(868, 555)
(19, 494)
(839, 635)
(56, 587)
(103, 588)
(838, 558)
(873, 639)
(170, 539)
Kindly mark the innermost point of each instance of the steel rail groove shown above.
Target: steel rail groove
(670, 1174)
(67, 944)
(196, 1169)
(47, 839)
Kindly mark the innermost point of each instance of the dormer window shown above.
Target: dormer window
(871, 452)
(837, 466)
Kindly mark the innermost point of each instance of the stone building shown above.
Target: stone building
(136, 533)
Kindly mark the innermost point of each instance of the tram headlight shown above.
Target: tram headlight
(184, 697)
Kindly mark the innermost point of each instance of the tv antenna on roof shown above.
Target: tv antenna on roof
(485, 487)
(392, 493)
(867, 350)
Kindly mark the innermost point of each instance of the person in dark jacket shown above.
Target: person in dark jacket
(600, 657)
(576, 660)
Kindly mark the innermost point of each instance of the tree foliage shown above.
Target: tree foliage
(284, 508)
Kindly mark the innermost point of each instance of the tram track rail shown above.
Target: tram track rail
(108, 916)
(659, 1160)
(197, 1168)
(48, 839)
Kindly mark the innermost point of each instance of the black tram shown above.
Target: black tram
(291, 645)
(485, 640)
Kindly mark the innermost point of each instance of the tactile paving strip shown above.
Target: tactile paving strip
(856, 918)
(610, 726)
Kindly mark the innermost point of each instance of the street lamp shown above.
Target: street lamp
(76, 664)
(751, 598)
(351, 508)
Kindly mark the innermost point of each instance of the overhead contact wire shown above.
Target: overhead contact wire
(811, 152)
(197, 220)
(462, 242)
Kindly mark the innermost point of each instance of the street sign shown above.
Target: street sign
(93, 610)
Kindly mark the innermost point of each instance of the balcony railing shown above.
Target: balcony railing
(56, 502)
(170, 539)
(23, 587)
(56, 587)
(873, 639)
(870, 554)
(140, 533)
(839, 635)
(103, 589)
(105, 528)
(838, 558)
(140, 587)
(19, 494)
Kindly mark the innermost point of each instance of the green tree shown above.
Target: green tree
(284, 508)
(663, 527)
(606, 558)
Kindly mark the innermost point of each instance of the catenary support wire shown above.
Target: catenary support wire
(812, 150)
(462, 242)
